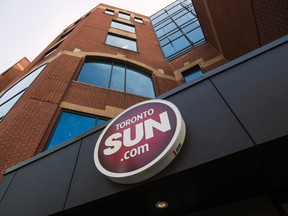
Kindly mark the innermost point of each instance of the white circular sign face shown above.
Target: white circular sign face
(140, 142)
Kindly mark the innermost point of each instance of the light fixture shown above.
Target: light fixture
(161, 205)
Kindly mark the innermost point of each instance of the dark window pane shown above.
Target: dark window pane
(123, 26)
(118, 78)
(139, 83)
(70, 125)
(121, 42)
(95, 73)
(192, 74)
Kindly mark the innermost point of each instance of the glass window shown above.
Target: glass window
(177, 29)
(139, 20)
(196, 35)
(180, 43)
(122, 26)
(121, 42)
(139, 83)
(71, 125)
(12, 95)
(192, 74)
(124, 15)
(171, 26)
(52, 50)
(91, 70)
(110, 12)
(118, 77)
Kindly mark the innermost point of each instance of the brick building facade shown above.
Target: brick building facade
(123, 50)
(36, 113)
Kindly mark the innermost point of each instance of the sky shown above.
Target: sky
(27, 27)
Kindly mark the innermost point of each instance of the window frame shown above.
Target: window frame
(20, 92)
(123, 38)
(109, 12)
(126, 67)
(182, 15)
(125, 15)
(116, 22)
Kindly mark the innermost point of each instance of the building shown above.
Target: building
(234, 155)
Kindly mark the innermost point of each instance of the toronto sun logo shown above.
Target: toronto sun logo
(140, 142)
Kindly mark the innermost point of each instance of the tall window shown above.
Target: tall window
(192, 73)
(71, 125)
(12, 95)
(177, 28)
(118, 77)
(124, 15)
(122, 26)
(121, 42)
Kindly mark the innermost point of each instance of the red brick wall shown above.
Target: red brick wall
(271, 18)
(242, 25)
(11, 75)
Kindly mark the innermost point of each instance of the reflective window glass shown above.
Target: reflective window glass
(121, 78)
(177, 23)
(192, 74)
(5, 108)
(160, 33)
(168, 50)
(183, 19)
(11, 96)
(122, 26)
(162, 16)
(191, 26)
(180, 43)
(124, 15)
(139, 83)
(196, 35)
(174, 35)
(118, 78)
(96, 73)
(121, 42)
(171, 26)
(174, 9)
(71, 125)
(164, 41)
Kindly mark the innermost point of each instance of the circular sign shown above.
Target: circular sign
(140, 142)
